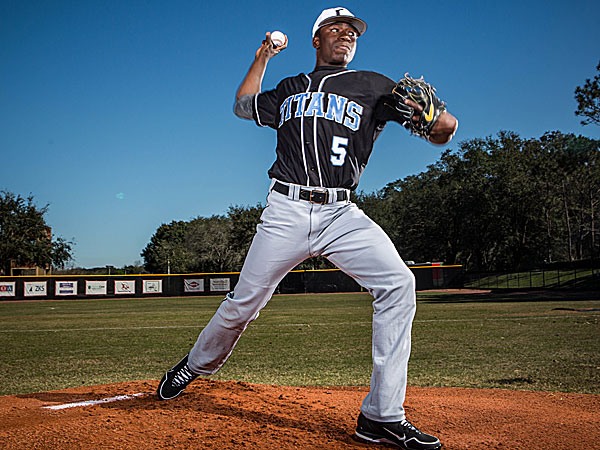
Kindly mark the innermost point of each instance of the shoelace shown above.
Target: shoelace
(407, 424)
(184, 376)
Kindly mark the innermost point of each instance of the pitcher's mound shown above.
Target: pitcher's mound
(234, 415)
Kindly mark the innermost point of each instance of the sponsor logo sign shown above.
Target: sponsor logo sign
(7, 288)
(220, 284)
(124, 286)
(152, 286)
(193, 285)
(66, 288)
(95, 288)
(35, 288)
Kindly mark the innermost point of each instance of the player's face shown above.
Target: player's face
(335, 44)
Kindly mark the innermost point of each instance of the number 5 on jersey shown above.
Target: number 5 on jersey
(338, 149)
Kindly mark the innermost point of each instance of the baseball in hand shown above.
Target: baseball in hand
(278, 38)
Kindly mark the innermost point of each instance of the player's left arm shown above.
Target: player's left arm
(414, 104)
(444, 129)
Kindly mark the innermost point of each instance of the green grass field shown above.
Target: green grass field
(458, 340)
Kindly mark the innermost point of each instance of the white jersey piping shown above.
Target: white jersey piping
(302, 136)
(315, 141)
(256, 109)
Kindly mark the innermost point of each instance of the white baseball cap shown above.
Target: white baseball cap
(339, 14)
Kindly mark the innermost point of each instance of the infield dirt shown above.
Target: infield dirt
(233, 415)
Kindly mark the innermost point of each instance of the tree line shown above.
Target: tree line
(205, 244)
(500, 203)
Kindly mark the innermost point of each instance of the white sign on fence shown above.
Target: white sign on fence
(95, 287)
(220, 284)
(7, 289)
(35, 288)
(65, 288)
(124, 286)
(195, 285)
(152, 286)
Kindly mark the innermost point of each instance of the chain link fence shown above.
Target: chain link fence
(554, 278)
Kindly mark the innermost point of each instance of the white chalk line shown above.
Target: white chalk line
(94, 402)
(56, 330)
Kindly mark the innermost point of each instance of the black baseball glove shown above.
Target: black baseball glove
(423, 94)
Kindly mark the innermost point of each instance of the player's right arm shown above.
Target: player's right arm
(252, 82)
(251, 85)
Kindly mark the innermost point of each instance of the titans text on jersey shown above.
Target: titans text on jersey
(311, 104)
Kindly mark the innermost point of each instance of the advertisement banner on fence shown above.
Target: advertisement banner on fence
(35, 288)
(65, 288)
(152, 286)
(219, 284)
(7, 289)
(196, 285)
(95, 288)
(124, 286)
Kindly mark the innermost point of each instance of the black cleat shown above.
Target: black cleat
(175, 380)
(403, 434)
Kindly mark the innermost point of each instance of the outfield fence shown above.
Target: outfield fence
(26, 287)
(554, 278)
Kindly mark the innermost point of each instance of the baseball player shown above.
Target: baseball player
(326, 123)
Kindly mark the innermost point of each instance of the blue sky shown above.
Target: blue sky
(119, 114)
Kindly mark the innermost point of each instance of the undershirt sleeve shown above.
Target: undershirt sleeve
(243, 107)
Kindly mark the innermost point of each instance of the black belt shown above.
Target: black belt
(317, 195)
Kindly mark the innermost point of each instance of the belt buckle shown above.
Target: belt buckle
(319, 196)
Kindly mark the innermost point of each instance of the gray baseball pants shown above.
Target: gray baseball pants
(293, 230)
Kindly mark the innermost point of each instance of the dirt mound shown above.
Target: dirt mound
(234, 415)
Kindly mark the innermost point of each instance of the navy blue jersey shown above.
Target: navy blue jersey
(326, 125)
